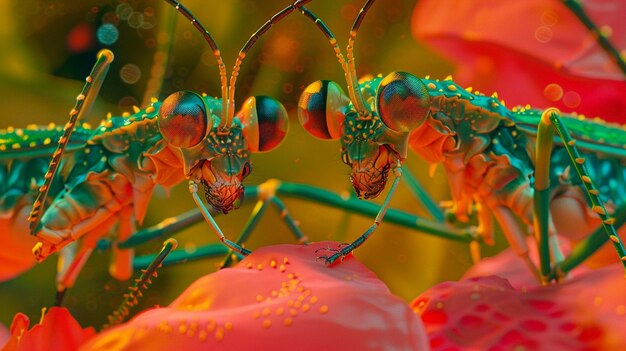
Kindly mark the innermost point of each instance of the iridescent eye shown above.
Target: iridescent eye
(264, 121)
(182, 119)
(321, 109)
(402, 101)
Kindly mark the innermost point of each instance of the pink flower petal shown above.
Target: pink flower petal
(531, 52)
(587, 312)
(279, 297)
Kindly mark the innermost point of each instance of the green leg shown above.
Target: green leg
(182, 256)
(601, 38)
(344, 251)
(193, 189)
(255, 216)
(591, 244)
(134, 292)
(418, 191)
(551, 118)
(291, 223)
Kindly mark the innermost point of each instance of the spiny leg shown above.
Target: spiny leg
(84, 101)
(576, 7)
(379, 218)
(141, 283)
(193, 189)
(550, 122)
(591, 243)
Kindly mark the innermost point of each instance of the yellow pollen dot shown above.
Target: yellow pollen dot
(324, 309)
(228, 326)
(273, 263)
(267, 323)
(266, 312)
(182, 328)
(259, 267)
(15, 146)
(288, 321)
(280, 311)
(125, 114)
(597, 300)
(289, 303)
(285, 260)
(150, 109)
(219, 334)
(297, 304)
(614, 238)
(313, 299)
(620, 310)
(259, 298)
(249, 266)
(293, 312)
(305, 307)
(451, 87)
(282, 267)
(202, 335)
(256, 314)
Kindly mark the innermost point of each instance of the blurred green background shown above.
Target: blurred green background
(48, 47)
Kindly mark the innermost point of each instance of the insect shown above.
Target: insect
(492, 155)
(103, 178)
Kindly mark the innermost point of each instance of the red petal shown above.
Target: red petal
(586, 312)
(279, 297)
(58, 331)
(531, 52)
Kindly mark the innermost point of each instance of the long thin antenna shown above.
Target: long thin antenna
(350, 48)
(352, 83)
(253, 39)
(216, 52)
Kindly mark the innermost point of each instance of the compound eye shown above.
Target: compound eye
(321, 109)
(402, 101)
(183, 120)
(265, 123)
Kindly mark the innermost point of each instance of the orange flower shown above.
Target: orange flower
(57, 331)
(279, 297)
(531, 52)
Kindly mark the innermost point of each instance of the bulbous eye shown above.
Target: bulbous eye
(264, 121)
(321, 109)
(182, 119)
(402, 101)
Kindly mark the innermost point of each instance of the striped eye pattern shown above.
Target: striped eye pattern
(402, 101)
(321, 109)
(183, 120)
(265, 123)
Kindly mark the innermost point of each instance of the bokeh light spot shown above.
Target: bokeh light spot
(135, 20)
(80, 38)
(571, 99)
(553, 92)
(544, 34)
(124, 11)
(130, 73)
(107, 34)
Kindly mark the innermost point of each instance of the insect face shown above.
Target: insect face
(220, 160)
(372, 142)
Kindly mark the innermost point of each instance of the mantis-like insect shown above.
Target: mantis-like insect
(497, 159)
(104, 177)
